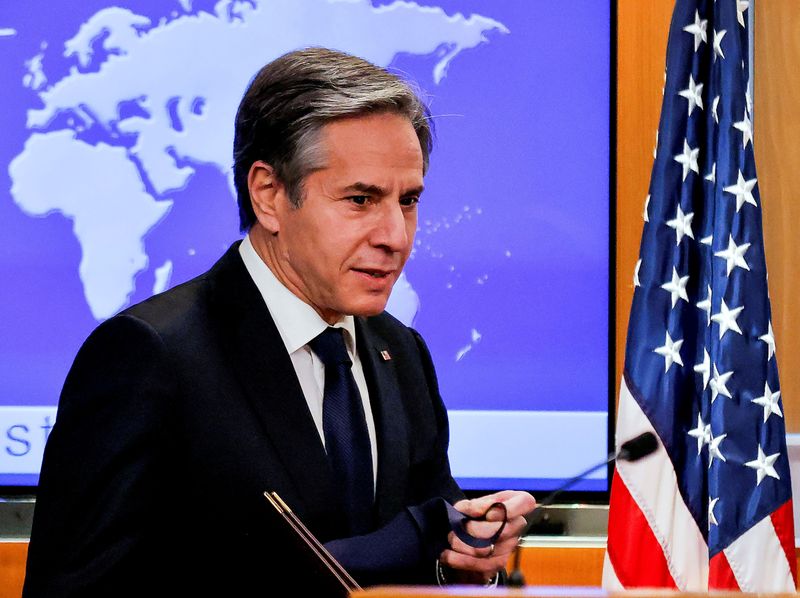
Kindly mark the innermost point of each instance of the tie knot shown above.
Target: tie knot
(330, 348)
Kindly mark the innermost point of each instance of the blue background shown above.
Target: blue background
(523, 135)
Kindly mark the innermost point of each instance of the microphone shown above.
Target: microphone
(632, 450)
(636, 448)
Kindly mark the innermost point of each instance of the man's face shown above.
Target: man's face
(343, 249)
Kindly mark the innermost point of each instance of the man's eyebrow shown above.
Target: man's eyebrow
(371, 189)
(414, 191)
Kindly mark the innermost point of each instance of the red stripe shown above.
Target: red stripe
(783, 522)
(632, 548)
(720, 575)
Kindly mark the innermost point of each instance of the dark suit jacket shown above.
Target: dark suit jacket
(176, 416)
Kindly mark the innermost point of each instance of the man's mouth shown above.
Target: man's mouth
(372, 273)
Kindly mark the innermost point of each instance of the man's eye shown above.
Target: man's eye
(359, 200)
(409, 201)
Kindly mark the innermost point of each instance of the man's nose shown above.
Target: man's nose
(392, 228)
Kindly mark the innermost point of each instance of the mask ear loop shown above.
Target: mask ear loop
(458, 523)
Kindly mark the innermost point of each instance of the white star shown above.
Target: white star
(713, 449)
(645, 215)
(705, 305)
(702, 432)
(712, 520)
(682, 223)
(734, 255)
(688, 159)
(769, 338)
(693, 93)
(718, 35)
(707, 240)
(743, 190)
(676, 287)
(719, 384)
(636, 282)
(764, 466)
(726, 318)
(748, 101)
(714, 105)
(746, 127)
(670, 351)
(704, 367)
(769, 401)
(712, 176)
(741, 7)
(698, 29)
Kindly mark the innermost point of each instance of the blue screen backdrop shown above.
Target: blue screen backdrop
(114, 184)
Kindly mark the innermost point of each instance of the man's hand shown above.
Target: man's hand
(485, 562)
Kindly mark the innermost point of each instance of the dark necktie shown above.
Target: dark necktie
(345, 428)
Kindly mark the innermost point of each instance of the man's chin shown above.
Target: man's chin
(372, 307)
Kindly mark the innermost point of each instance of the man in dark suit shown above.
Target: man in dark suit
(276, 370)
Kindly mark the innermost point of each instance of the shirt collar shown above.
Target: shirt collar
(297, 322)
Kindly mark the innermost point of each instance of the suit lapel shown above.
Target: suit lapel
(265, 371)
(390, 421)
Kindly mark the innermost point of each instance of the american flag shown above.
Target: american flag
(712, 509)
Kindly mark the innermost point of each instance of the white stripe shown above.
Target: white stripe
(23, 433)
(610, 581)
(653, 485)
(758, 561)
(482, 443)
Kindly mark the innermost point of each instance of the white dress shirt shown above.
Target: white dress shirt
(298, 323)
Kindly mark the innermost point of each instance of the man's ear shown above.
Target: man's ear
(265, 194)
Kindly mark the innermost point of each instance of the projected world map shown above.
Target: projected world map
(115, 184)
(149, 103)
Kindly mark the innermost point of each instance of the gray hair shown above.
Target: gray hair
(292, 98)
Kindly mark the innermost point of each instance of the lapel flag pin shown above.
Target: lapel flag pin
(385, 355)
